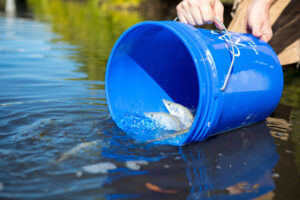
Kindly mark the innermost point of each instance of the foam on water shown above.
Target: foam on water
(132, 122)
(144, 129)
(135, 164)
(102, 168)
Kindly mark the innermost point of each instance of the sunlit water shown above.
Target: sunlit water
(58, 141)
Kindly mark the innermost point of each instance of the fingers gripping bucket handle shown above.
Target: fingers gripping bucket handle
(170, 60)
(232, 48)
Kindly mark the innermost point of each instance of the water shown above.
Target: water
(52, 101)
(145, 129)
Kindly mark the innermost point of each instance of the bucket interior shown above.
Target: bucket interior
(150, 63)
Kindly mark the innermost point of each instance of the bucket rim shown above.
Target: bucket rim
(198, 129)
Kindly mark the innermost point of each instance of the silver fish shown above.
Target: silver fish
(181, 112)
(74, 150)
(165, 120)
(170, 136)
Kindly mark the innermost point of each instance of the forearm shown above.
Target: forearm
(258, 20)
(266, 3)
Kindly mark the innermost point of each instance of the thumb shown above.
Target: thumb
(267, 33)
(256, 31)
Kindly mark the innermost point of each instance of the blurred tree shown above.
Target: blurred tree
(91, 27)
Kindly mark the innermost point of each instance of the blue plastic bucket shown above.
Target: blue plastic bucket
(170, 60)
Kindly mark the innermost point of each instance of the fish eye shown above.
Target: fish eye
(169, 104)
(151, 115)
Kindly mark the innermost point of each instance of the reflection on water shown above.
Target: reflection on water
(93, 31)
(216, 169)
(238, 164)
(280, 128)
(52, 106)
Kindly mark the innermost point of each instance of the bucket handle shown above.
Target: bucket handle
(233, 55)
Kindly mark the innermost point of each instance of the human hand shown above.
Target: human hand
(258, 20)
(199, 12)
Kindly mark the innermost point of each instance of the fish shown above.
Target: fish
(179, 116)
(169, 136)
(74, 150)
(182, 113)
(165, 121)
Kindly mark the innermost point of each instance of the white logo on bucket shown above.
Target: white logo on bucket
(237, 39)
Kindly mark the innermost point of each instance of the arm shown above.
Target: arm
(258, 20)
(199, 12)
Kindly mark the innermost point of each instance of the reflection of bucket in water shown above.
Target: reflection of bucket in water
(237, 165)
(170, 60)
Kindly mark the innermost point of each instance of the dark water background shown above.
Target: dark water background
(53, 56)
